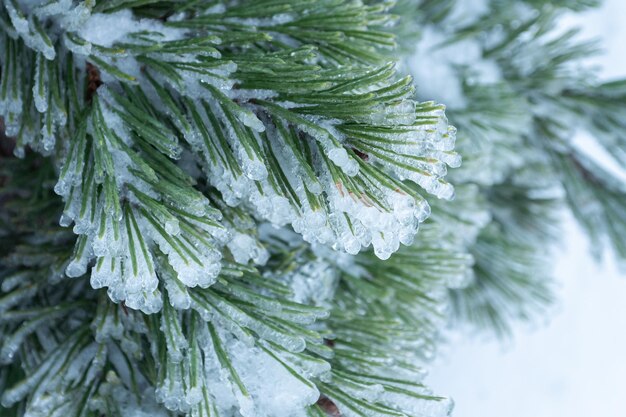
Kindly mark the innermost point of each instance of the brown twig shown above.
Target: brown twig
(329, 407)
(93, 81)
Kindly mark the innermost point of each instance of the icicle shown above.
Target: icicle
(170, 392)
(176, 342)
(108, 325)
(196, 268)
(40, 85)
(82, 255)
(177, 292)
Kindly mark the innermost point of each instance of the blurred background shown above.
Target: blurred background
(573, 365)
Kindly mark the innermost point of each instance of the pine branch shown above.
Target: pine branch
(225, 166)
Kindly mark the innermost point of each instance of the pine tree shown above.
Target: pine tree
(213, 207)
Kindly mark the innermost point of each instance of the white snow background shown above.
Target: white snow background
(575, 364)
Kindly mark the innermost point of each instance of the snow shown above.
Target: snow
(434, 67)
(107, 29)
(435, 77)
(575, 365)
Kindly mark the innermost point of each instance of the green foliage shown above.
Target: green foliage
(225, 165)
(516, 135)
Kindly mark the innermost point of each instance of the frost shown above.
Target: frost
(78, 265)
(76, 17)
(254, 168)
(435, 66)
(40, 87)
(83, 48)
(421, 407)
(19, 21)
(147, 230)
(200, 268)
(108, 327)
(344, 161)
(244, 248)
(178, 295)
(13, 395)
(402, 113)
(273, 390)
(48, 138)
(249, 119)
(54, 7)
(349, 222)
(128, 402)
(466, 12)
(171, 392)
(107, 241)
(314, 282)
(110, 28)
